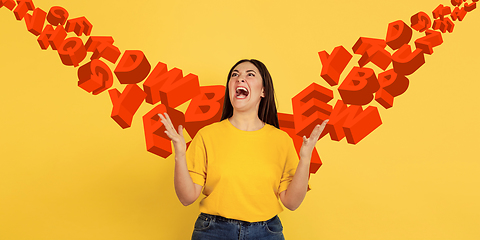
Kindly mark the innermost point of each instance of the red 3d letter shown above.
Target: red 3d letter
(398, 34)
(170, 87)
(456, 2)
(431, 39)
(406, 62)
(57, 16)
(126, 104)
(35, 22)
(10, 4)
(391, 85)
(444, 25)
(359, 86)
(372, 50)
(95, 77)
(132, 68)
(441, 11)
(72, 51)
(310, 108)
(103, 47)
(470, 7)
(22, 8)
(79, 25)
(352, 122)
(156, 139)
(50, 37)
(286, 122)
(204, 109)
(420, 22)
(458, 13)
(334, 64)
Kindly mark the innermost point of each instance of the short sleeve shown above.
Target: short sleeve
(291, 164)
(197, 160)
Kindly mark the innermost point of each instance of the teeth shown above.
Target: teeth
(242, 88)
(241, 92)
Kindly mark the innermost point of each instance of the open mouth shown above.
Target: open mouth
(241, 92)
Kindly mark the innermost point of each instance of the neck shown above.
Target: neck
(246, 121)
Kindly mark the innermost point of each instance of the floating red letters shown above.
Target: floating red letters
(286, 122)
(10, 4)
(334, 64)
(57, 16)
(95, 77)
(126, 104)
(359, 86)
(391, 85)
(79, 25)
(51, 37)
(204, 109)
(310, 108)
(406, 62)
(352, 122)
(72, 51)
(22, 8)
(420, 22)
(156, 139)
(431, 39)
(132, 68)
(35, 22)
(398, 34)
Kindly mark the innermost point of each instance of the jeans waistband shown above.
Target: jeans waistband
(229, 220)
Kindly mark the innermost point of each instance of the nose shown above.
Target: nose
(241, 78)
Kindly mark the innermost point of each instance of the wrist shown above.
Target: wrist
(180, 157)
(305, 158)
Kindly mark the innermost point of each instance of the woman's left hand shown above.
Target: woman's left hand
(309, 143)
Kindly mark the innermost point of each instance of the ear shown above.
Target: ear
(263, 92)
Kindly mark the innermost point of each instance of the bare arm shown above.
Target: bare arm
(296, 191)
(187, 191)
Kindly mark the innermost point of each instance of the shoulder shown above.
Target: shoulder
(277, 133)
(212, 128)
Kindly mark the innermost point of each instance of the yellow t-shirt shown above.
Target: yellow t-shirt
(242, 171)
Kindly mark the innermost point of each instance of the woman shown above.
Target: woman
(243, 163)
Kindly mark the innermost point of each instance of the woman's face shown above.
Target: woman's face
(245, 87)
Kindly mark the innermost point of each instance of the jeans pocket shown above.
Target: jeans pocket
(274, 225)
(203, 222)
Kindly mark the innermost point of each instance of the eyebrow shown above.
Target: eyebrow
(247, 71)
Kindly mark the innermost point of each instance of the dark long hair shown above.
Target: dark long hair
(267, 111)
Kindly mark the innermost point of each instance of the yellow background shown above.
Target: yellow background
(68, 171)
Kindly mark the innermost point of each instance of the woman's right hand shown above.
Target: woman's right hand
(176, 137)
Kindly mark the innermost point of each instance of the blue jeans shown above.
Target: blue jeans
(209, 227)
